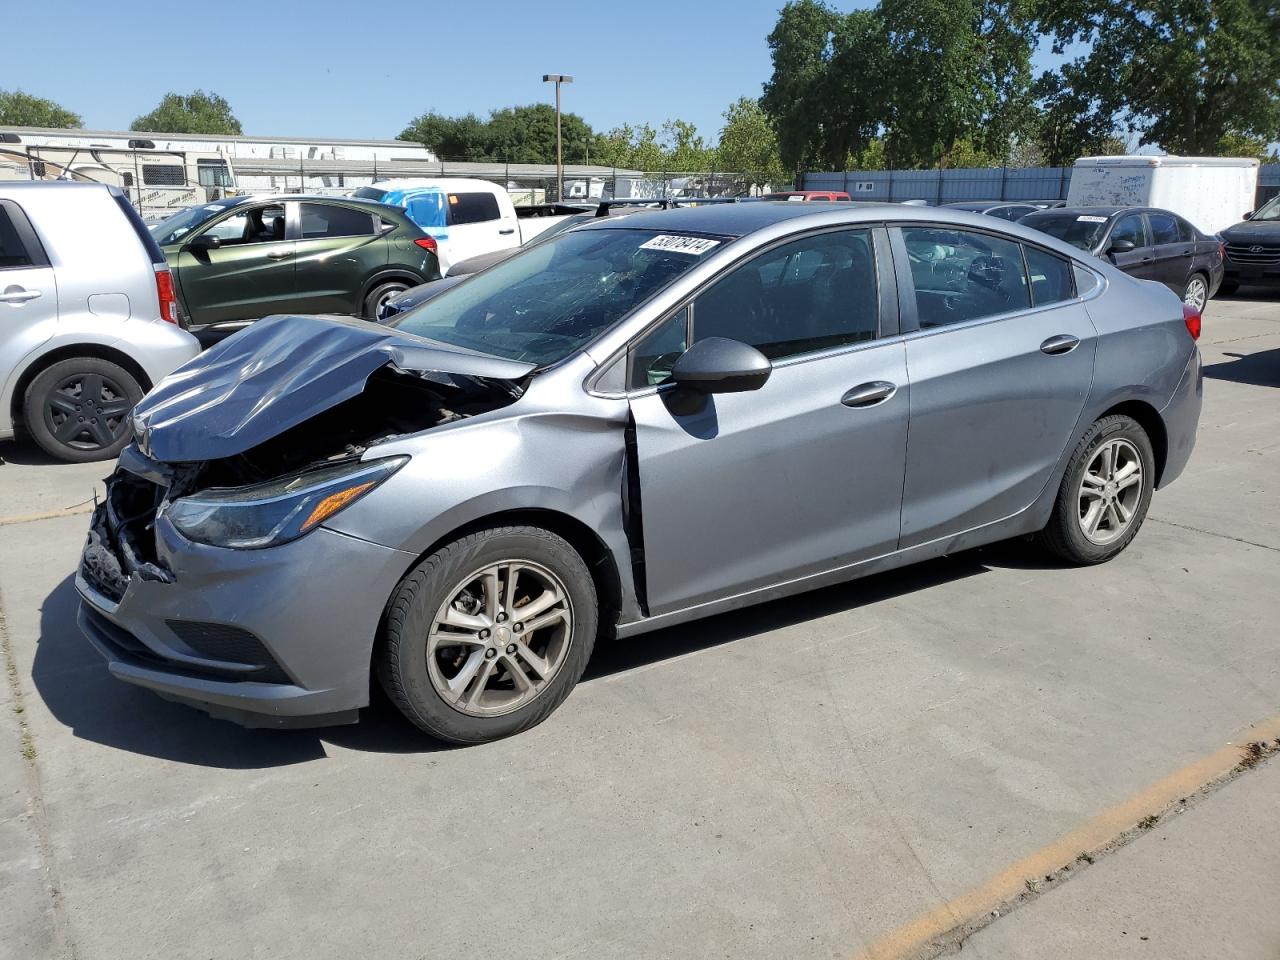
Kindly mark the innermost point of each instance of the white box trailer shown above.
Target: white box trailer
(1211, 192)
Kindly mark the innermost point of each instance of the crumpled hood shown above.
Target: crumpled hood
(279, 372)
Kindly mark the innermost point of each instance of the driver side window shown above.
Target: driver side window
(650, 359)
(257, 225)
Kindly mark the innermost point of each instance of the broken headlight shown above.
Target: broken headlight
(275, 512)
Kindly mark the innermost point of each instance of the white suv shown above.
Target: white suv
(88, 317)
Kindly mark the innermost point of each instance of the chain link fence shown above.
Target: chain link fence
(158, 184)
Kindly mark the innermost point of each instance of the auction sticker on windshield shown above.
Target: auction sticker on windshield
(1092, 219)
(673, 244)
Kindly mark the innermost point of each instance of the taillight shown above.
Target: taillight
(427, 243)
(1222, 251)
(1191, 317)
(168, 299)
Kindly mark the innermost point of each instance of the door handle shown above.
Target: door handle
(279, 254)
(1186, 253)
(507, 231)
(869, 394)
(16, 294)
(1062, 343)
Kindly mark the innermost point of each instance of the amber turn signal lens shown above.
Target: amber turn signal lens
(333, 503)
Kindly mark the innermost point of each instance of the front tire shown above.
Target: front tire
(489, 634)
(77, 410)
(1105, 493)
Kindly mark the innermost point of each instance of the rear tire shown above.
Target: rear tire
(380, 295)
(77, 410)
(1196, 293)
(456, 634)
(1104, 495)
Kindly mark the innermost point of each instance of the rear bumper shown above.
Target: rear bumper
(307, 613)
(1181, 417)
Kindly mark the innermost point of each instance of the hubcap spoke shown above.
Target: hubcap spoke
(454, 617)
(62, 403)
(517, 674)
(540, 666)
(101, 432)
(492, 596)
(1093, 517)
(553, 616)
(482, 681)
(68, 430)
(544, 601)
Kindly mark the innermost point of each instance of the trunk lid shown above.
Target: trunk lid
(280, 372)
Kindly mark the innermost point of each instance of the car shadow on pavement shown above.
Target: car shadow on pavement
(1261, 369)
(72, 678)
(26, 453)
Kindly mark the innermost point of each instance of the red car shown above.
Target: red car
(808, 196)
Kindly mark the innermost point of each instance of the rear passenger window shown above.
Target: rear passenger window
(472, 208)
(13, 253)
(960, 275)
(1164, 229)
(1050, 277)
(322, 220)
(1131, 228)
(811, 294)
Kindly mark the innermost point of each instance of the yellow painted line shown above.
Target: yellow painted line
(86, 507)
(972, 910)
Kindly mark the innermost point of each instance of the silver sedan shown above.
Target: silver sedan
(636, 424)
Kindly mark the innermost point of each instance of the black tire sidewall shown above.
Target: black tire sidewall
(1068, 539)
(34, 402)
(370, 305)
(402, 666)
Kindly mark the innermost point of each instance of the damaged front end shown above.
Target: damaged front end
(264, 436)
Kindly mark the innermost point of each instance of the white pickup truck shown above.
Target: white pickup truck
(466, 217)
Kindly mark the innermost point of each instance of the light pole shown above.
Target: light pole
(557, 79)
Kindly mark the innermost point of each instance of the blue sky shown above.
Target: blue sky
(320, 68)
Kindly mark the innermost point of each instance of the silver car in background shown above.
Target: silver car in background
(638, 423)
(88, 317)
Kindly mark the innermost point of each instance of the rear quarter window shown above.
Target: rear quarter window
(13, 251)
(472, 208)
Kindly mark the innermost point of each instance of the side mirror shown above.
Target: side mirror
(1248, 215)
(1121, 246)
(205, 242)
(719, 365)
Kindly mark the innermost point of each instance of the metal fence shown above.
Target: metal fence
(976, 183)
(160, 184)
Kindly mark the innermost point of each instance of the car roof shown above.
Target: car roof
(1089, 211)
(740, 219)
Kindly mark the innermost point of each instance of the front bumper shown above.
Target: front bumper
(275, 637)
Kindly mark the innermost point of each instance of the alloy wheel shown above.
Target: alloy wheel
(87, 411)
(1197, 294)
(501, 636)
(1110, 491)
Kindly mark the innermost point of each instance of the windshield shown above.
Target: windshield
(182, 223)
(370, 193)
(1268, 211)
(545, 303)
(1081, 230)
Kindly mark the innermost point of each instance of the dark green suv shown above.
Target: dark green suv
(242, 258)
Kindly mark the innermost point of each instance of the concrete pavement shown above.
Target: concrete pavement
(797, 779)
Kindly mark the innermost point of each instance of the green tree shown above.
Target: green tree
(197, 112)
(452, 138)
(1182, 73)
(685, 149)
(1072, 122)
(525, 134)
(1242, 145)
(749, 146)
(801, 47)
(960, 70)
(635, 148)
(19, 109)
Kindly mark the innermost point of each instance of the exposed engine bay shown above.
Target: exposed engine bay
(393, 403)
